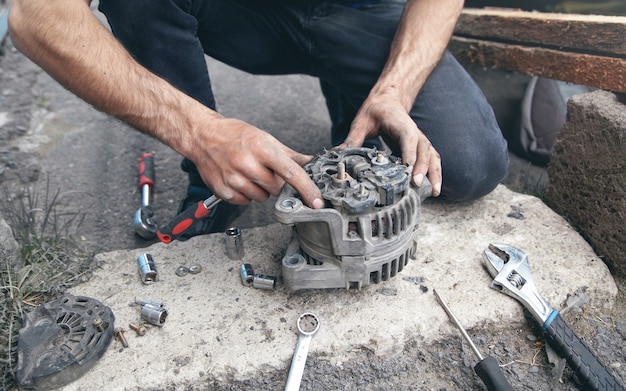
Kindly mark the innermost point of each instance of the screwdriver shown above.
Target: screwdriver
(487, 368)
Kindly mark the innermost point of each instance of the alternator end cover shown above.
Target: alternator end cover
(62, 340)
(365, 234)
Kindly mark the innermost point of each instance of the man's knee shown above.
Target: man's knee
(473, 175)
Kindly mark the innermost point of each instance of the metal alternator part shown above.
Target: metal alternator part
(366, 233)
(61, 340)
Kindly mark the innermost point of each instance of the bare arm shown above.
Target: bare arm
(421, 39)
(68, 42)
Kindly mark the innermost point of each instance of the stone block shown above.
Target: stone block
(588, 173)
(221, 334)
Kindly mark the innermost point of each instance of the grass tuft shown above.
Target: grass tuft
(48, 262)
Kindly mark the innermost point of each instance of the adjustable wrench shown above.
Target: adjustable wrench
(511, 272)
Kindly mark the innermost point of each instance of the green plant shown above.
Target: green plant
(49, 262)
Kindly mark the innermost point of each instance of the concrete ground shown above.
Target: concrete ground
(221, 334)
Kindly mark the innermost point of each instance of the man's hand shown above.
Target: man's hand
(381, 114)
(242, 163)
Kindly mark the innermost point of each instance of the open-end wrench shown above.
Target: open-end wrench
(308, 324)
(511, 272)
(144, 221)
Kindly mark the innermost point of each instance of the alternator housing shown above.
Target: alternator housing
(365, 234)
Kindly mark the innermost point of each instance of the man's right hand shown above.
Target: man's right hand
(242, 163)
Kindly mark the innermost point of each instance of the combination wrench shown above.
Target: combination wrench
(308, 324)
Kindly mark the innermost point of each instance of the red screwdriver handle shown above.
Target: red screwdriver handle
(146, 170)
(182, 222)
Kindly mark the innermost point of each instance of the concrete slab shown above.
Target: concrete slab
(218, 330)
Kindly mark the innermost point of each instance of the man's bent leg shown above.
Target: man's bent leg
(456, 117)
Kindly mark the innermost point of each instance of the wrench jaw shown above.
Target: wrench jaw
(512, 276)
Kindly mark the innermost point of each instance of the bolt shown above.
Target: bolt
(341, 171)
(380, 159)
(140, 330)
(98, 324)
(119, 333)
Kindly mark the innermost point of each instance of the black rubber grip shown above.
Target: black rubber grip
(490, 373)
(182, 222)
(586, 365)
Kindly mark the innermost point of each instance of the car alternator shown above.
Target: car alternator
(366, 233)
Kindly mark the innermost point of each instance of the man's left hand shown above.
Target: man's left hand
(381, 115)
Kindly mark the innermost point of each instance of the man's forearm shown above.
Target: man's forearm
(68, 41)
(421, 39)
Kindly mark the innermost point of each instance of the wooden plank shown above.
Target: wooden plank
(572, 32)
(607, 73)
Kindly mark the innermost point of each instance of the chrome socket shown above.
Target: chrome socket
(147, 269)
(234, 243)
(247, 274)
(263, 281)
(154, 313)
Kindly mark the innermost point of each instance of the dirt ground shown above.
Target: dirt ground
(50, 138)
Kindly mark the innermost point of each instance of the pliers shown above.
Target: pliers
(511, 272)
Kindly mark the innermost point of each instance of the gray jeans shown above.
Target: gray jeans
(344, 43)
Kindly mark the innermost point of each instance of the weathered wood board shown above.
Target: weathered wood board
(582, 49)
(569, 32)
(607, 73)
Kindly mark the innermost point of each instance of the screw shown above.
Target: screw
(140, 330)
(341, 171)
(98, 324)
(119, 333)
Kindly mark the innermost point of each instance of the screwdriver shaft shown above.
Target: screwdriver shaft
(487, 368)
(458, 325)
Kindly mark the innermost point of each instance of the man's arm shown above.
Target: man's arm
(421, 39)
(238, 161)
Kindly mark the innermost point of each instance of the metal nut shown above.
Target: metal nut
(182, 271)
(195, 269)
